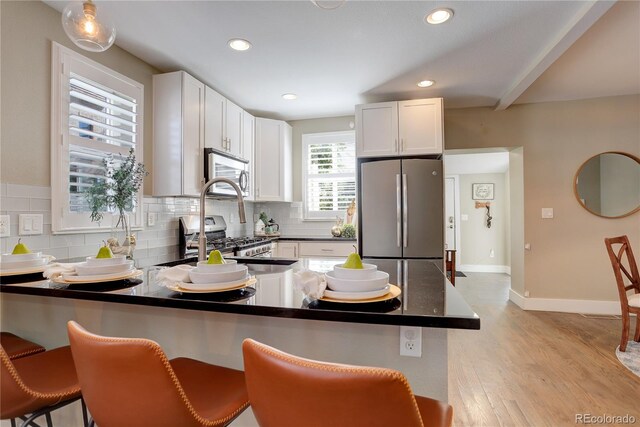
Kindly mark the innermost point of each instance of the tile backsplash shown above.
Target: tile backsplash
(155, 244)
(289, 217)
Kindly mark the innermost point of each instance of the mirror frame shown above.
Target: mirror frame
(575, 184)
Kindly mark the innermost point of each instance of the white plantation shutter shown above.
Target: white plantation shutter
(96, 112)
(329, 165)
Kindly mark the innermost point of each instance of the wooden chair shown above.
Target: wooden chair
(17, 347)
(289, 391)
(450, 265)
(625, 269)
(36, 385)
(130, 382)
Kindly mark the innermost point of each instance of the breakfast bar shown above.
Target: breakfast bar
(212, 326)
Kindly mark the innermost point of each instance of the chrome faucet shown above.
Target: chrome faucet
(202, 241)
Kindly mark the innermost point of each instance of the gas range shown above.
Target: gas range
(215, 230)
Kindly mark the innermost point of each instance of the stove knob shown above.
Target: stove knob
(250, 252)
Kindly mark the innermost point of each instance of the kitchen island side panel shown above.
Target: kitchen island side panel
(217, 338)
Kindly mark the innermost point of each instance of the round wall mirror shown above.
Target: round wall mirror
(608, 184)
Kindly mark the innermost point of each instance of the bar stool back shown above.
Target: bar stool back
(131, 382)
(289, 391)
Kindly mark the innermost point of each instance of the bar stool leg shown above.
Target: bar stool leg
(85, 417)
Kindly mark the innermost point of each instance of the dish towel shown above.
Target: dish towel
(56, 269)
(311, 283)
(169, 276)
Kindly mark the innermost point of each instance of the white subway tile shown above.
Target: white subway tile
(14, 204)
(59, 253)
(32, 191)
(65, 240)
(40, 205)
(3, 189)
(96, 238)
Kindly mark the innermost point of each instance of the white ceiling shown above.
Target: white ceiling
(473, 163)
(365, 51)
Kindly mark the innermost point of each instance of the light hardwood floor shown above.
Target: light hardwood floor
(526, 368)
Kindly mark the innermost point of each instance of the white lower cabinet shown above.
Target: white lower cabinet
(326, 249)
(289, 249)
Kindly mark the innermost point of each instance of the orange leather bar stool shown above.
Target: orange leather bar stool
(17, 347)
(130, 382)
(289, 391)
(36, 385)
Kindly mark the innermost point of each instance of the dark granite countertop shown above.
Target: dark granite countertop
(427, 298)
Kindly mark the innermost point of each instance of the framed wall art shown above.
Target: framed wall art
(482, 191)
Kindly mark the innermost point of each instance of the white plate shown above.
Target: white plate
(212, 286)
(84, 269)
(74, 278)
(197, 276)
(8, 266)
(356, 295)
(379, 280)
(177, 288)
(9, 258)
(117, 259)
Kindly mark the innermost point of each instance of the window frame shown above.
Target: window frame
(64, 61)
(332, 138)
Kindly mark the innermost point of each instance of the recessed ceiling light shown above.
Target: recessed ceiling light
(438, 16)
(290, 96)
(239, 44)
(425, 83)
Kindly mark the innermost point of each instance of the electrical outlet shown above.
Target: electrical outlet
(5, 226)
(410, 341)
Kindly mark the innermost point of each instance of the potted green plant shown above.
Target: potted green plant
(116, 193)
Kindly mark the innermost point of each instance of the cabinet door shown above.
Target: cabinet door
(269, 161)
(420, 126)
(287, 250)
(192, 135)
(214, 108)
(377, 129)
(248, 142)
(233, 128)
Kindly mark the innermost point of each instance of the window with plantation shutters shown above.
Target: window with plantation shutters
(329, 171)
(96, 112)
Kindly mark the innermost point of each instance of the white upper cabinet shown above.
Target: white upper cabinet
(377, 129)
(399, 128)
(420, 126)
(178, 134)
(272, 154)
(248, 142)
(223, 123)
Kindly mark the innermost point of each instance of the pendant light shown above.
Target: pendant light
(87, 28)
(328, 4)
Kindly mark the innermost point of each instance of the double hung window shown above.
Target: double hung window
(329, 174)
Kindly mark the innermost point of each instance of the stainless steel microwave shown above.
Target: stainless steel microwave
(220, 164)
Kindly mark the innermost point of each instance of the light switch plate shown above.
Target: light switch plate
(547, 213)
(464, 217)
(151, 218)
(30, 224)
(5, 226)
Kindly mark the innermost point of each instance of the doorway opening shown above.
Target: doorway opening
(484, 212)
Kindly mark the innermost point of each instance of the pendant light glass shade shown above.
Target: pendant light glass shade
(328, 4)
(87, 28)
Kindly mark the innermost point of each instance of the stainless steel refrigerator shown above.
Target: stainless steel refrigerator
(401, 208)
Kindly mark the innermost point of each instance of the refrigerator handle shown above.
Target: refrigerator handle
(405, 211)
(398, 210)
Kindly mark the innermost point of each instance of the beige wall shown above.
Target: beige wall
(567, 257)
(27, 30)
(300, 127)
(476, 240)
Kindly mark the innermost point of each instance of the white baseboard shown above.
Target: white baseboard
(565, 305)
(470, 268)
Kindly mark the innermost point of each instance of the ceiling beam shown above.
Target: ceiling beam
(584, 19)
